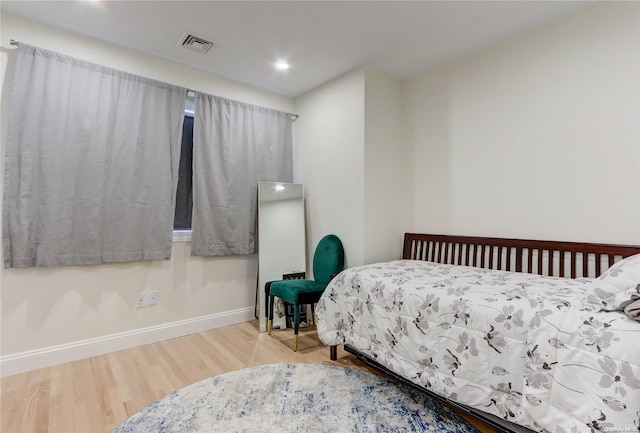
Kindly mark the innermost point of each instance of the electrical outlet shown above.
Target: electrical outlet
(141, 301)
(153, 298)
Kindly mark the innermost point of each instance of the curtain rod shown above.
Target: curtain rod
(190, 92)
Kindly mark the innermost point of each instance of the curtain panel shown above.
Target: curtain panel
(235, 145)
(91, 163)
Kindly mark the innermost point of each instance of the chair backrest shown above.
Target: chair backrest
(328, 258)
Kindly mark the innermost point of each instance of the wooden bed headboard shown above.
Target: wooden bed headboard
(562, 259)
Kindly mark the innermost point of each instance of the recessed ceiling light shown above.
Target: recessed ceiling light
(283, 66)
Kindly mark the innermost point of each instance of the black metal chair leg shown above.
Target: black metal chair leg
(296, 325)
(267, 293)
(270, 322)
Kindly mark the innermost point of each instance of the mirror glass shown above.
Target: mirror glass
(281, 239)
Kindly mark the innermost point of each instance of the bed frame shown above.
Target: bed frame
(551, 258)
(561, 259)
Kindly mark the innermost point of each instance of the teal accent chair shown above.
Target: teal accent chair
(328, 261)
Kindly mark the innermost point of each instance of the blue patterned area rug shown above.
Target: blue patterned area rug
(287, 398)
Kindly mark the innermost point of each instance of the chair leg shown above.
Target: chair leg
(296, 325)
(270, 322)
(313, 313)
(267, 292)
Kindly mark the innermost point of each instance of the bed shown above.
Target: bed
(525, 335)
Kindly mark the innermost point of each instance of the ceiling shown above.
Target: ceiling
(320, 39)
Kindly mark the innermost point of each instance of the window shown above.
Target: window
(184, 192)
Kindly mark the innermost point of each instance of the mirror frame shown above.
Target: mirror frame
(282, 237)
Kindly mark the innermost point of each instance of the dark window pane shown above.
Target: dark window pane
(184, 193)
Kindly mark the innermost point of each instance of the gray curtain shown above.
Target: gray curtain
(235, 145)
(91, 163)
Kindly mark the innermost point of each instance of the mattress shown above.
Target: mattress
(530, 349)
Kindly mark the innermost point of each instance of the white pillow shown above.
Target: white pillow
(617, 286)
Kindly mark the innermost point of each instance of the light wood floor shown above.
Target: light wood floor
(95, 395)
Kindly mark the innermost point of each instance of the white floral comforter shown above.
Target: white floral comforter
(533, 350)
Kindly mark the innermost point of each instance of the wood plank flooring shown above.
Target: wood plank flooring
(95, 395)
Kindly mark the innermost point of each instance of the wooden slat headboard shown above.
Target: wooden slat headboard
(563, 259)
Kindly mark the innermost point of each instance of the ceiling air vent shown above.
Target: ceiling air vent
(197, 43)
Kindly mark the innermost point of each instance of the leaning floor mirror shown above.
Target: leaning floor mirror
(281, 241)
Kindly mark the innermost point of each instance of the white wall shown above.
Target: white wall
(67, 306)
(351, 160)
(537, 137)
(330, 142)
(387, 197)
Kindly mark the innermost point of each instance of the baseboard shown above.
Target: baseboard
(49, 356)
